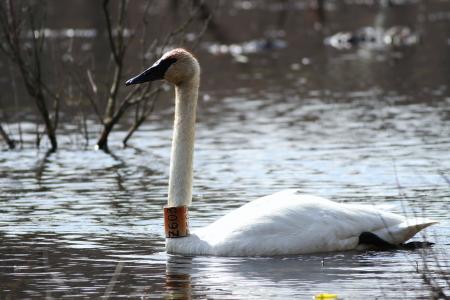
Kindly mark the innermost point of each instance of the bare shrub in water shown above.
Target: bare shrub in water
(23, 40)
(142, 97)
(20, 20)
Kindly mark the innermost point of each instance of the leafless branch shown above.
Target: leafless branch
(199, 10)
(119, 41)
(110, 31)
(29, 64)
(139, 119)
(10, 142)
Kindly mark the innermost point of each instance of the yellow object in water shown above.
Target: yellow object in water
(325, 296)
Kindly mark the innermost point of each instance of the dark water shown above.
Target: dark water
(361, 125)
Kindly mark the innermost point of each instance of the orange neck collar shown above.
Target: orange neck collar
(176, 221)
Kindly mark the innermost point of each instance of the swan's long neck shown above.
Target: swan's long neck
(181, 161)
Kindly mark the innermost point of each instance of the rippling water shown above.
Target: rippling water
(69, 221)
(352, 126)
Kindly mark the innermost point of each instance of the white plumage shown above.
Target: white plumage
(290, 223)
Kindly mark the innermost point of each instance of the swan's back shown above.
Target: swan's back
(290, 223)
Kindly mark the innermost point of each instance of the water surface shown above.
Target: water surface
(359, 126)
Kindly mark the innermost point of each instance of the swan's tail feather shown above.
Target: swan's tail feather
(399, 233)
(412, 226)
(418, 223)
(395, 237)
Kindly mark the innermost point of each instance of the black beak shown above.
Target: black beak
(155, 72)
(151, 74)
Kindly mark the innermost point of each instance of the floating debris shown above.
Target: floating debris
(384, 3)
(72, 33)
(253, 46)
(326, 296)
(63, 33)
(376, 38)
(238, 51)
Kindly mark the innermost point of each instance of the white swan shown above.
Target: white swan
(280, 224)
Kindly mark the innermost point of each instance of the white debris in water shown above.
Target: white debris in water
(63, 33)
(306, 61)
(374, 38)
(295, 67)
(253, 46)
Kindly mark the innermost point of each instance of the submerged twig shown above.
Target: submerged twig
(113, 281)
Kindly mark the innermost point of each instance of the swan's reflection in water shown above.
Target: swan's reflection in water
(178, 277)
(278, 277)
(178, 285)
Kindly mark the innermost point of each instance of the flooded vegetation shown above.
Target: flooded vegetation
(281, 106)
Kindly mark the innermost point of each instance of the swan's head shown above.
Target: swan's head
(176, 66)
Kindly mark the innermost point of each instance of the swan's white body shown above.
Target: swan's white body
(289, 223)
(280, 224)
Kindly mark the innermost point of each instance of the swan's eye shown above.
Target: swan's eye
(166, 63)
(160, 67)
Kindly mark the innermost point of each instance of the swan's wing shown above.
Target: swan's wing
(289, 223)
